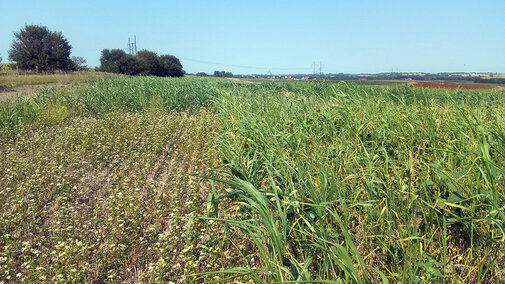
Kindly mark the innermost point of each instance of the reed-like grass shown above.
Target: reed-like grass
(366, 184)
(323, 182)
(107, 95)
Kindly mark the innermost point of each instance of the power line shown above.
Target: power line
(243, 66)
(132, 49)
(320, 68)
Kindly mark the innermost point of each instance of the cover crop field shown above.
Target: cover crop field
(143, 179)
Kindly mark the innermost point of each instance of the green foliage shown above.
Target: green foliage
(222, 74)
(117, 61)
(38, 48)
(171, 66)
(79, 63)
(109, 60)
(378, 183)
(105, 199)
(110, 94)
(7, 68)
(130, 65)
(151, 64)
(307, 182)
(144, 63)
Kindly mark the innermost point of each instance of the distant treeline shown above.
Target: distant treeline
(143, 63)
(490, 80)
(216, 74)
(367, 77)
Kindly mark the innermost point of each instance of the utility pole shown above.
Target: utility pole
(132, 46)
(320, 68)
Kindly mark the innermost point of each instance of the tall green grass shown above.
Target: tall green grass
(363, 184)
(329, 181)
(132, 94)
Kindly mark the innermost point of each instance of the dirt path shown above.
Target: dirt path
(26, 90)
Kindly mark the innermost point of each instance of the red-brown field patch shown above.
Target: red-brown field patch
(452, 85)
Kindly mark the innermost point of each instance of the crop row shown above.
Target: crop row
(110, 198)
(52, 105)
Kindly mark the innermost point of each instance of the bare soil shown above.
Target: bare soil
(25, 90)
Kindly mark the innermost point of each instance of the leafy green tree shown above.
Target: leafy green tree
(36, 47)
(171, 66)
(109, 60)
(222, 74)
(117, 61)
(130, 65)
(79, 62)
(144, 63)
(151, 63)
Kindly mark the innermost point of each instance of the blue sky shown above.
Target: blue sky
(247, 37)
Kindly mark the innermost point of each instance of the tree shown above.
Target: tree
(151, 63)
(109, 60)
(171, 66)
(36, 47)
(79, 62)
(117, 61)
(130, 65)
(144, 63)
(222, 74)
